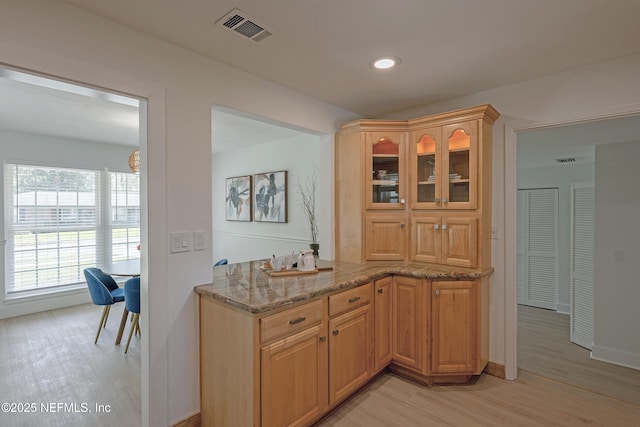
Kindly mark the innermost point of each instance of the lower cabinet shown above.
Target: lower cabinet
(383, 312)
(445, 240)
(291, 367)
(440, 328)
(294, 378)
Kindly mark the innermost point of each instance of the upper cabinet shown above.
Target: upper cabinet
(416, 190)
(386, 170)
(444, 167)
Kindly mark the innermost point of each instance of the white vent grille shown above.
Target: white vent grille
(243, 25)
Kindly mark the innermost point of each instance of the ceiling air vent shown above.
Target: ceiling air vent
(243, 25)
(565, 160)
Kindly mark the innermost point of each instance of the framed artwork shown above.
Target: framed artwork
(270, 197)
(238, 198)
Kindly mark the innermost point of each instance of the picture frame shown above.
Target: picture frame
(238, 198)
(270, 195)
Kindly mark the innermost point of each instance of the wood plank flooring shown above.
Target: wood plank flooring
(50, 359)
(544, 348)
(558, 385)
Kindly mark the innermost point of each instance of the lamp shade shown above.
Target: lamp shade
(134, 161)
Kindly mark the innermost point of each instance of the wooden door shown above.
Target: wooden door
(350, 352)
(459, 241)
(382, 316)
(408, 330)
(294, 378)
(459, 171)
(454, 308)
(426, 238)
(385, 237)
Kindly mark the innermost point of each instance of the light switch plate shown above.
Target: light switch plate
(199, 241)
(180, 242)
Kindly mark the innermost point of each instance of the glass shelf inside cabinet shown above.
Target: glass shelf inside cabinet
(426, 169)
(459, 146)
(386, 171)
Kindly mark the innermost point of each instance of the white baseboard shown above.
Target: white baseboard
(617, 357)
(563, 308)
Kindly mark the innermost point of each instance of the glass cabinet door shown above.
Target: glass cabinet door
(459, 171)
(425, 168)
(385, 181)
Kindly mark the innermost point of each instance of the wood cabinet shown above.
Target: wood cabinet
(294, 368)
(440, 328)
(408, 325)
(434, 168)
(383, 306)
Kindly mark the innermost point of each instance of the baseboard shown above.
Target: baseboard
(495, 369)
(617, 357)
(192, 421)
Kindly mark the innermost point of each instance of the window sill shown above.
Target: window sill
(39, 294)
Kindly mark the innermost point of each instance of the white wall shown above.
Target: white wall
(617, 335)
(55, 38)
(243, 241)
(600, 90)
(561, 177)
(33, 149)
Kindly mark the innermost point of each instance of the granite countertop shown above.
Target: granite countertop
(245, 286)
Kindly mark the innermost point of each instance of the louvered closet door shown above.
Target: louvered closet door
(582, 259)
(538, 244)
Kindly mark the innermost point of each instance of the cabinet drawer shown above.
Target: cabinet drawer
(290, 321)
(349, 299)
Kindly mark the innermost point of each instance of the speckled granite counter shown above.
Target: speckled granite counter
(245, 286)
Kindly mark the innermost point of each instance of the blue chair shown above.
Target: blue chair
(222, 261)
(104, 291)
(132, 302)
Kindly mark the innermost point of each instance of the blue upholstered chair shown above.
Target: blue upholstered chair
(104, 291)
(132, 302)
(222, 261)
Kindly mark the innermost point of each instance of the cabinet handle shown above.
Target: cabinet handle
(298, 320)
(354, 299)
(323, 338)
(336, 332)
(437, 292)
(380, 290)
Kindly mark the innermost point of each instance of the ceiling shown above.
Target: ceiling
(448, 48)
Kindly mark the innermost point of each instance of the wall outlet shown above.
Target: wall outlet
(180, 242)
(199, 241)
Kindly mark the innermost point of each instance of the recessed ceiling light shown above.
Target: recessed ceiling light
(386, 62)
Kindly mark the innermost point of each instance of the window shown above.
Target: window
(55, 224)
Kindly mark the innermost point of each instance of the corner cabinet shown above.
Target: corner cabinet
(421, 190)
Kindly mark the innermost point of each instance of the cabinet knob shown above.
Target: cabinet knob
(436, 200)
(380, 290)
(437, 292)
(323, 338)
(444, 226)
(401, 225)
(336, 332)
(402, 202)
(444, 200)
(436, 226)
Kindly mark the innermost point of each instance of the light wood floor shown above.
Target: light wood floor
(554, 388)
(544, 348)
(50, 358)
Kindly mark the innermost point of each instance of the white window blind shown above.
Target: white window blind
(60, 221)
(52, 217)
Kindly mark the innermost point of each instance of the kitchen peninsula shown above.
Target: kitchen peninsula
(285, 350)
